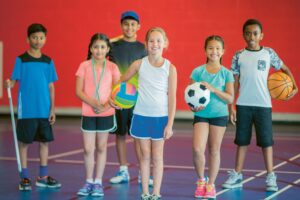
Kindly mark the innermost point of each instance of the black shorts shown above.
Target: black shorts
(98, 124)
(124, 118)
(215, 121)
(261, 117)
(35, 129)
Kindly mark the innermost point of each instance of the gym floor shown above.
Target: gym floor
(66, 165)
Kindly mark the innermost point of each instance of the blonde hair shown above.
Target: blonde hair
(160, 30)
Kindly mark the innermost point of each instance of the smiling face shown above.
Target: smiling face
(99, 50)
(36, 40)
(252, 36)
(214, 50)
(155, 43)
(129, 28)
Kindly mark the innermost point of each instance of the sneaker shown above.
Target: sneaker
(86, 189)
(150, 180)
(201, 188)
(47, 181)
(271, 182)
(155, 197)
(25, 184)
(210, 192)
(121, 177)
(97, 190)
(234, 180)
(146, 197)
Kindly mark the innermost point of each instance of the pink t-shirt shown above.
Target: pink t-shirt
(111, 74)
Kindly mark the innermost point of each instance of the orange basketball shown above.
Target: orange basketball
(280, 85)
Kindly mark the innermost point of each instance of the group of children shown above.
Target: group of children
(150, 122)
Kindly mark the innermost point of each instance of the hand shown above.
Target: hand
(52, 117)
(292, 94)
(168, 132)
(208, 86)
(197, 108)
(112, 104)
(233, 116)
(8, 83)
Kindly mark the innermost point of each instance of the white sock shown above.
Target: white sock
(89, 180)
(123, 168)
(98, 181)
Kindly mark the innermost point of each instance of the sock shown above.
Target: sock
(89, 180)
(98, 181)
(123, 168)
(25, 173)
(43, 171)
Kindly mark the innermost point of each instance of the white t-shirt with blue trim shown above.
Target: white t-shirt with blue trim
(253, 67)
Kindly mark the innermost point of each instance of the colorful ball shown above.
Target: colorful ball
(280, 85)
(124, 95)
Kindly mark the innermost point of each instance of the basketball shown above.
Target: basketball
(124, 95)
(280, 85)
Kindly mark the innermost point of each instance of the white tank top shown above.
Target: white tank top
(153, 89)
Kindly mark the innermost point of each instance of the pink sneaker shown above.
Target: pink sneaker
(201, 188)
(210, 191)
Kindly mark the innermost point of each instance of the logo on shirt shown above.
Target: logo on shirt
(261, 65)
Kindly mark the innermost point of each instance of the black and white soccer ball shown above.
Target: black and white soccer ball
(196, 95)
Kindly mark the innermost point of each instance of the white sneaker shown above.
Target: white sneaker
(271, 182)
(234, 180)
(150, 180)
(121, 177)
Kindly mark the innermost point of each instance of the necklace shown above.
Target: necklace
(97, 85)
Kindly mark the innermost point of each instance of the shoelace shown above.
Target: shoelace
(232, 175)
(209, 188)
(270, 179)
(200, 183)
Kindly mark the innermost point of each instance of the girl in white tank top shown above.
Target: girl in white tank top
(155, 108)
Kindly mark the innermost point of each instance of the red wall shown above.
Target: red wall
(71, 23)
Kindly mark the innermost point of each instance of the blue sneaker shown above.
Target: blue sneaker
(48, 182)
(234, 180)
(121, 177)
(25, 184)
(85, 190)
(97, 190)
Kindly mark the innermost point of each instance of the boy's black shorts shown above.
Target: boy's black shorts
(261, 117)
(215, 121)
(123, 117)
(34, 129)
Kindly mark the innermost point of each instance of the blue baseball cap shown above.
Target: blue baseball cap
(130, 15)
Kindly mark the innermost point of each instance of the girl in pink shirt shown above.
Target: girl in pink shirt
(95, 78)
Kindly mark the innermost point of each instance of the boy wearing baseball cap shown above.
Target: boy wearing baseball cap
(124, 51)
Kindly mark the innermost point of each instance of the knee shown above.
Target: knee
(101, 148)
(197, 152)
(89, 150)
(214, 151)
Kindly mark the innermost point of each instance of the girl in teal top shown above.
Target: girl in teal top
(210, 122)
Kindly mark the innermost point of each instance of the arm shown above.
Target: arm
(227, 95)
(172, 88)
(52, 98)
(82, 96)
(232, 111)
(286, 70)
(132, 70)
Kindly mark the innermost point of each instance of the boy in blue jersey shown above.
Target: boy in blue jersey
(250, 67)
(35, 73)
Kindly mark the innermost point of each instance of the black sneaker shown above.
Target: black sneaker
(25, 184)
(48, 182)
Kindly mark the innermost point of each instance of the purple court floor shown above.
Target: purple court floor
(66, 164)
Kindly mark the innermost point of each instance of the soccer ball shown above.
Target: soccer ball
(196, 95)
